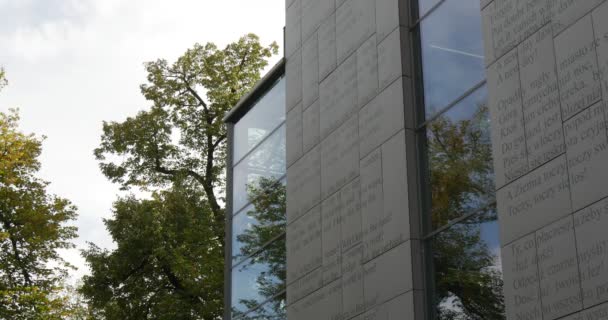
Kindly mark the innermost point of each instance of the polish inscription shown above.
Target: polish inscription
(355, 23)
(506, 111)
(327, 46)
(512, 21)
(294, 134)
(540, 93)
(304, 245)
(566, 12)
(367, 71)
(536, 199)
(577, 68)
(305, 286)
(310, 126)
(590, 225)
(310, 71)
(587, 150)
(371, 201)
(351, 214)
(558, 269)
(338, 94)
(340, 157)
(388, 276)
(303, 189)
(352, 282)
(597, 313)
(600, 27)
(332, 253)
(521, 280)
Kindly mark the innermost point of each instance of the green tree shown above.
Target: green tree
(180, 142)
(468, 285)
(32, 230)
(3, 81)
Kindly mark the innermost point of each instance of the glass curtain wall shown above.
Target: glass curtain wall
(258, 217)
(461, 236)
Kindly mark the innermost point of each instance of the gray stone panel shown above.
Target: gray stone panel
(381, 118)
(313, 13)
(327, 46)
(540, 93)
(324, 304)
(521, 279)
(566, 12)
(340, 157)
(367, 71)
(331, 216)
(389, 15)
(304, 245)
(587, 150)
(590, 225)
(352, 282)
(540, 197)
(294, 134)
(304, 187)
(338, 94)
(311, 127)
(350, 210)
(393, 57)
(293, 28)
(509, 22)
(399, 308)
(600, 27)
(506, 114)
(384, 204)
(388, 276)
(355, 23)
(596, 313)
(310, 71)
(577, 68)
(293, 80)
(305, 286)
(558, 269)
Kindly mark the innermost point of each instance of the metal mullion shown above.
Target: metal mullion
(248, 153)
(264, 246)
(459, 220)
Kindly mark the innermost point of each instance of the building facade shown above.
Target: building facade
(445, 159)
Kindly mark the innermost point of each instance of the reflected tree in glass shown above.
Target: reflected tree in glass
(468, 279)
(268, 199)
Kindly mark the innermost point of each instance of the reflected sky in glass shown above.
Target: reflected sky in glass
(460, 160)
(267, 160)
(271, 310)
(259, 278)
(468, 273)
(452, 52)
(258, 123)
(426, 5)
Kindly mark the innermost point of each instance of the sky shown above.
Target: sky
(72, 64)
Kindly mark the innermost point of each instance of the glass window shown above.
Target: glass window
(271, 310)
(460, 160)
(452, 52)
(266, 161)
(259, 278)
(267, 114)
(467, 270)
(261, 221)
(425, 5)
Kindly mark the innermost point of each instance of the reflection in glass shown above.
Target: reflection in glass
(452, 52)
(259, 278)
(425, 5)
(468, 273)
(271, 310)
(460, 161)
(265, 116)
(261, 221)
(267, 160)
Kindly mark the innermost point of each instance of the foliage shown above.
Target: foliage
(32, 230)
(177, 150)
(168, 264)
(3, 80)
(468, 286)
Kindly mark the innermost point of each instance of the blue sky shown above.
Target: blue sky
(73, 63)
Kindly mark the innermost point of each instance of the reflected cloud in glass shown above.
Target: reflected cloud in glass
(267, 160)
(267, 114)
(452, 52)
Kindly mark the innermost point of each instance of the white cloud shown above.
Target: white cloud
(73, 63)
